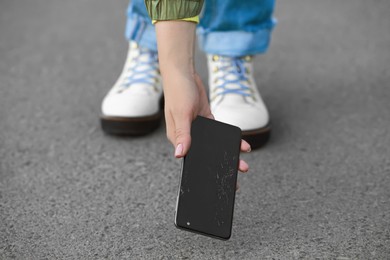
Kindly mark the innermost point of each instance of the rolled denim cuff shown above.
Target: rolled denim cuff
(142, 31)
(236, 43)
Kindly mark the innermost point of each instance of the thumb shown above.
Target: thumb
(182, 137)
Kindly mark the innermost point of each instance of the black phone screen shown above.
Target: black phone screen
(208, 182)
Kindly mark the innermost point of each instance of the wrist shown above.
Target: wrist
(177, 79)
(177, 69)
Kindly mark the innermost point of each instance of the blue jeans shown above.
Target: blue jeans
(227, 27)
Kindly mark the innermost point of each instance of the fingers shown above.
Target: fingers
(170, 127)
(243, 166)
(245, 147)
(178, 133)
(182, 136)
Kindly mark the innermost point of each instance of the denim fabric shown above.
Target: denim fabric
(139, 27)
(227, 27)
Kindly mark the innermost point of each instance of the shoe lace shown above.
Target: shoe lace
(233, 73)
(143, 66)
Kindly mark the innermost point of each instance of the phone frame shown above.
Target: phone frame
(233, 199)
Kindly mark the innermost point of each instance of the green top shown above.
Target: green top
(173, 9)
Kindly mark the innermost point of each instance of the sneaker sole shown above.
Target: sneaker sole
(257, 138)
(130, 125)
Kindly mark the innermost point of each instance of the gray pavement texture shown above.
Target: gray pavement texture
(319, 190)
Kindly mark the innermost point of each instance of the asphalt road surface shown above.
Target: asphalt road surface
(319, 190)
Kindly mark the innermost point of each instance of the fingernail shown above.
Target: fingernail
(249, 149)
(179, 150)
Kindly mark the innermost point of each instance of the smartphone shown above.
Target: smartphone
(205, 200)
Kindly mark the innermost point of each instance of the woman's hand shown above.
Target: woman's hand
(182, 105)
(185, 98)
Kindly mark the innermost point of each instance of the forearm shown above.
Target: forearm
(176, 44)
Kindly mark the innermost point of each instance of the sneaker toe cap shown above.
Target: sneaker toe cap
(244, 118)
(122, 105)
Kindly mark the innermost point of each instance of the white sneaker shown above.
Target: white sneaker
(235, 99)
(133, 106)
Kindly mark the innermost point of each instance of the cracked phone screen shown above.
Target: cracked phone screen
(208, 182)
